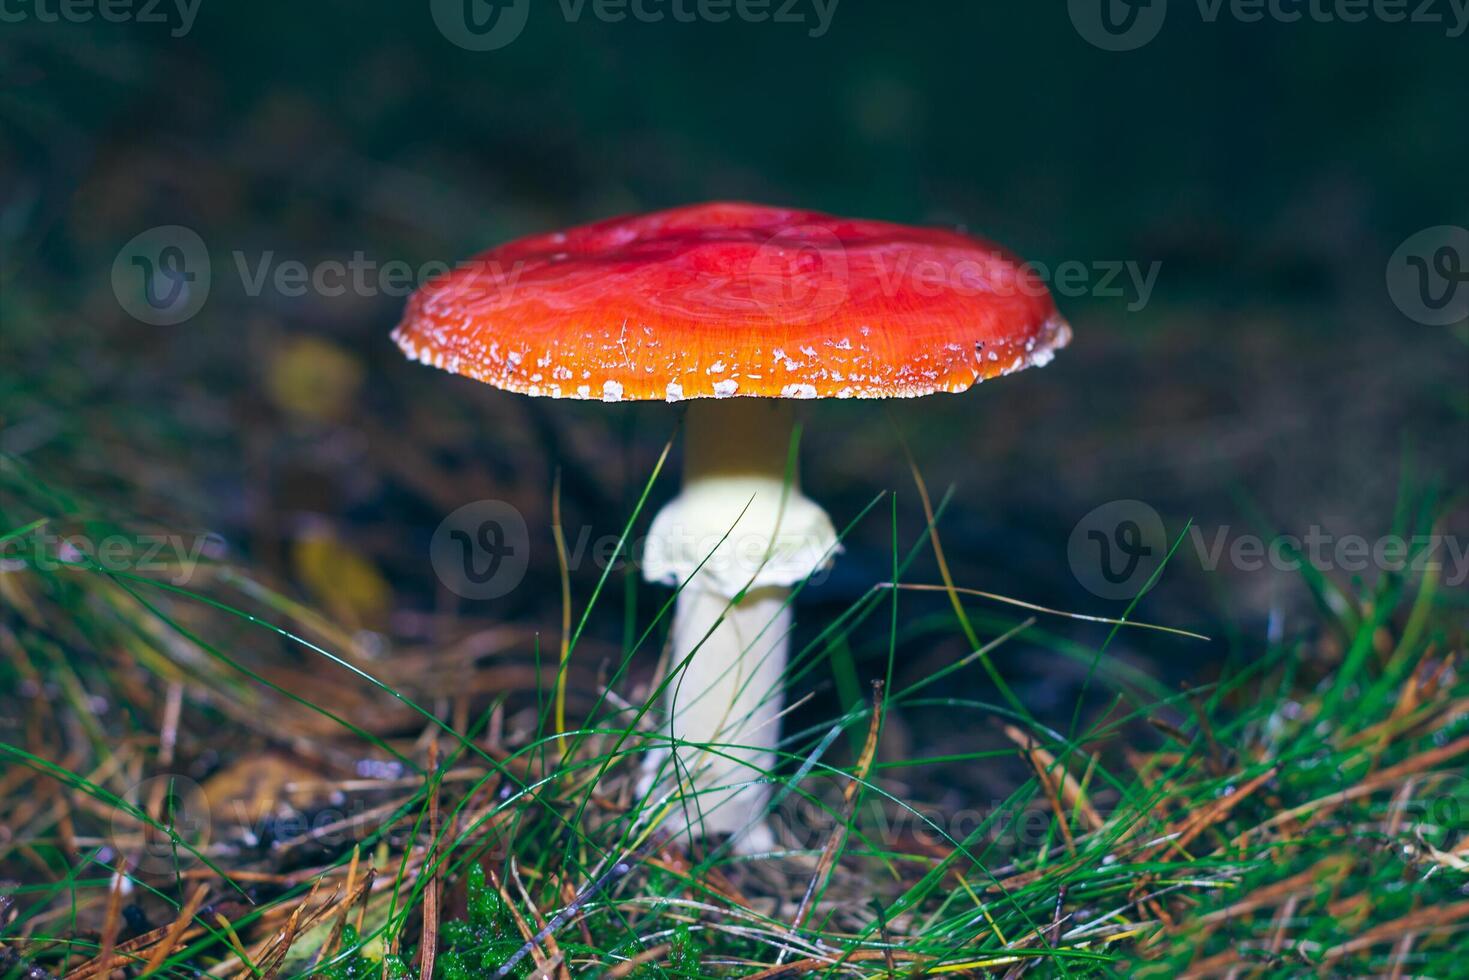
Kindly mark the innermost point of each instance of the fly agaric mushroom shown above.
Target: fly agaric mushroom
(740, 309)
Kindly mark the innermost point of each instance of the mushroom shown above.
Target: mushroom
(740, 309)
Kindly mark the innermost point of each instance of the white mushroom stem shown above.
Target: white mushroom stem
(736, 539)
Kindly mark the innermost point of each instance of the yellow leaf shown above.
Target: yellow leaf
(314, 379)
(348, 585)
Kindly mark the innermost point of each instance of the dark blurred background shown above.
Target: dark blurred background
(1265, 381)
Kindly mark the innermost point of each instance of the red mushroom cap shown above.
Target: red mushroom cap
(723, 299)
